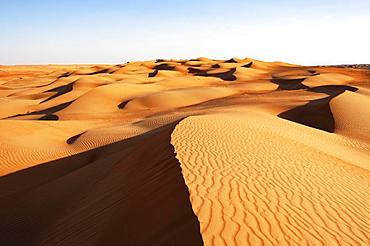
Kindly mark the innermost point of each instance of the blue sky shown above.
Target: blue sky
(304, 32)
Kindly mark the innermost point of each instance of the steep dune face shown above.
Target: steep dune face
(271, 153)
(128, 193)
(250, 183)
(317, 113)
(352, 123)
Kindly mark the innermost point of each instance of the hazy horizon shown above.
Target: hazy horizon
(89, 32)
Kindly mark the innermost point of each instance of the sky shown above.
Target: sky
(111, 31)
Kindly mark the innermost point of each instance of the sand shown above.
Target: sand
(251, 183)
(184, 152)
(106, 196)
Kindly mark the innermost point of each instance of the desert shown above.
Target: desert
(185, 152)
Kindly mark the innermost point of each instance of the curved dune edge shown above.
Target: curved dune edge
(352, 123)
(317, 113)
(251, 183)
(128, 193)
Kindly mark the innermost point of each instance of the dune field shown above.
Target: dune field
(185, 152)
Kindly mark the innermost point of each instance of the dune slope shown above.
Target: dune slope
(250, 184)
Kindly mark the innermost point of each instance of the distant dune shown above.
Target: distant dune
(364, 66)
(185, 152)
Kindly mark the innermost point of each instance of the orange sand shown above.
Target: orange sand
(271, 153)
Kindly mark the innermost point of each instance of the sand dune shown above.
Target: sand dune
(352, 123)
(250, 184)
(268, 153)
(178, 98)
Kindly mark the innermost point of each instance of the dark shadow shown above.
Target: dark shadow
(232, 60)
(313, 72)
(63, 75)
(122, 104)
(333, 90)
(38, 86)
(73, 139)
(215, 66)
(248, 65)
(164, 66)
(227, 76)
(54, 109)
(48, 111)
(197, 71)
(49, 117)
(60, 90)
(153, 74)
(317, 113)
(127, 193)
(289, 84)
(106, 70)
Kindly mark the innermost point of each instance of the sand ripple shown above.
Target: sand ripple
(251, 185)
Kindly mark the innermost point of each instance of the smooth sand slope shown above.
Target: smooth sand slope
(184, 152)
